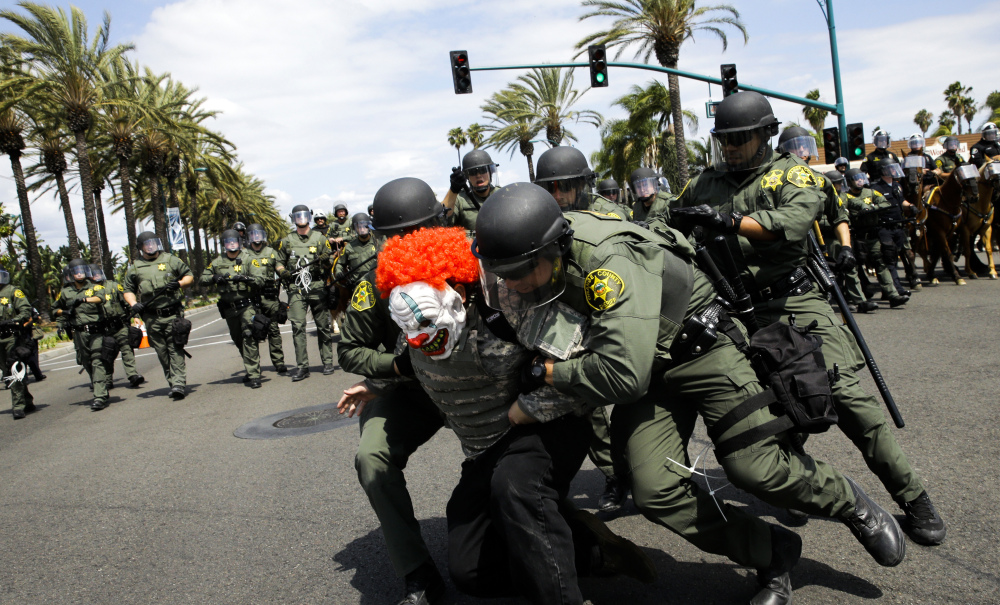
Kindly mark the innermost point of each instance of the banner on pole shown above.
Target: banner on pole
(176, 229)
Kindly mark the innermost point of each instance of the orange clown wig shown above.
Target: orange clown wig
(438, 256)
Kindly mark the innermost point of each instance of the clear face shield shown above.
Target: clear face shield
(967, 172)
(231, 244)
(524, 282)
(152, 246)
(741, 150)
(570, 194)
(79, 272)
(916, 143)
(804, 147)
(645, 188)
(611, 194)
(302, 218)
(858, 181)
(991, 134)
(363, 228)
(4, 277)
(881, 141)
(481, 177)
(918, 162)
(97, 273)
(894, 170)
(256, 236)
(951, 144)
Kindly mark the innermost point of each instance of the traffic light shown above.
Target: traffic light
(855, 141)
(729, 83)
(831, 144)
(460, 74)
(598, 65)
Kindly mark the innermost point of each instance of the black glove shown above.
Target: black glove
(457, 180)
(706, 216)
(845, 260)
(218, 279)
(285, 276)
(642, 224)
(137, 308)
(173, 286)
(8, 323)
(532, 375)
(403, 363)
(237, 279)
(76, 302)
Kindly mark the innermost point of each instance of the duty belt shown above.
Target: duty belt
(115, 323)
(242, 303)
(97, 327)
(795, 283)
(698, 334)
(165, 311)
(269, 292)
(8, 331)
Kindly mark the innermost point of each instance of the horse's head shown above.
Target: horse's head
(968, 177)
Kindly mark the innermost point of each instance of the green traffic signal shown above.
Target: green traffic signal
(599, 77)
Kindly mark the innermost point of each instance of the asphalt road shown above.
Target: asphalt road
(155, 501)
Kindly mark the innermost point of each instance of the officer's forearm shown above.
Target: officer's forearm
(186, 281)
(844, 234)
(449, 199)
(130, 298)
(751, 229)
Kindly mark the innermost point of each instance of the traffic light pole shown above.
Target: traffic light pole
(838, 91)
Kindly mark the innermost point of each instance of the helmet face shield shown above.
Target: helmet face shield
(915, 161)
(951, 144)
(991, 133)
(79, 272)
(569, 193)
(857, 181)
(804, 147)
(734, 151)
(96, 273)
(4, 277)
(881, 140)
(363, 227)
(644, 188)
(894, 170)
(302, 218)
(256, 236)
(152, 245)
(231, 244)
(523, 282)
(916, 142)
(481, 177)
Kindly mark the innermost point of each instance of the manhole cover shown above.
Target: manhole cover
(294, 423)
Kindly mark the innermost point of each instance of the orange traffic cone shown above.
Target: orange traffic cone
(145, 339)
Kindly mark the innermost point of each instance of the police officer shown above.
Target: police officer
(841, 164)
(242, 230)
(395, 424)
(319, 220)
(650, 201)
(880, 155)
(916, 145)
(371, 211)
(987, 147)
(893, 226)
(359, 255)
(469, 188)
(797, 141)
(565, 174)
(869, 211)
(153, 288)
(642, 298)
(263, 262)
(238, 287)
(609, 189)
(303, 265)
(340, 229)
(950, 159)
(767, 204)
(117, 317)
(85, 307)
(846, 265)
(15, 311)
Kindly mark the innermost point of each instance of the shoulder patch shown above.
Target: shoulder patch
(120, 288)
(772, 179)
(18, 294)
(602, 288)
(363, 297)
(614, 215)
(255, 262)
(800, 176)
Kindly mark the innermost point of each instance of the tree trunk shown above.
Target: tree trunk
(159, 215)
(679, 139)
(531, 169)
(34, 258)
(87, 190)
(74, 241)
(198, 258)
(105, 249)
(124, 177)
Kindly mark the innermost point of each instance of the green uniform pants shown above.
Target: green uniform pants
(875, 257)
(600, 446)
(91, 351)
(315, 300)
(393, 426)
(161, 338)
(861, 416)
(659, 427)
(853, 291)
(80, 346)
(274, 344)
(20, 397)
(240, 323)
(128, 355)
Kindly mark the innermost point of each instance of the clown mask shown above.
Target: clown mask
(431, 319)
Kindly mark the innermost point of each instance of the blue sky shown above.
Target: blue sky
(326, 101)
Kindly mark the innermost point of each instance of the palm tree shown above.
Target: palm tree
(456, 138)
(660, 27)
(954, 98)
(153, 148)
(923, 120)
(12, 143)
(993, 104)
(550, 94)
(815, 116)
(52, 151)
(701, 154)
(969, 110)
(625, 146)
(475, 135)
(946, 121)
(511, 124)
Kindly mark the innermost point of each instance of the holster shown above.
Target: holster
(181, 331)
(134, 337)
(332, 296)
(260, 326)
(109, 350)
(697, 335)
(282, 315)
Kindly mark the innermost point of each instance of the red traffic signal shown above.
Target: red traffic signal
(460, 74)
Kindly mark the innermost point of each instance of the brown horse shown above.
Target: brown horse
(977, 218)
(944, 215)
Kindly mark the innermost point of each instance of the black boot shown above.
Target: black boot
(774, 581)
(615, 493)
(923, 523)
(868, 306)
(875, 529)
(423, 586)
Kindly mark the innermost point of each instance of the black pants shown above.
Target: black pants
(32, 361)
(506, 535)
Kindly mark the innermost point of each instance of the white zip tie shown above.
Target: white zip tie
(302, 276)
(704, 473)
(17, 373)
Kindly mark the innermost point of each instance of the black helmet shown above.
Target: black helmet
(148, 242)
(403, 203)
(951, 143)
(231, 240)
(519, 225)
(797, 141)
(239, 226)
(856, 179)
(561, 163)
(361, 223)
(478, 162)
(97, 273)
(834, 176)
(371, 207)
(338, 208)
(738, 118)
(791, 132)
(645, 183)
(990, 132)
(476, 159)
(301, 215)
(256, 234)
(608, 185)
(880, 139)
(77, 267)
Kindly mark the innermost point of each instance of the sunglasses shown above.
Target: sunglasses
(479, 170)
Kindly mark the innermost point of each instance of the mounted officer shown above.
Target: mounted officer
(469, 188)
(116, 312)
(650, 200)
(950, 159)
(880, 155)
(15, 311)
(916, 145)
(340, 228)
(987, 147)
(263, 261)
(319, 220)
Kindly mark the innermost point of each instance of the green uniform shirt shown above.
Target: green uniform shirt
(833, 211)
(367, 333)
(265, 265)
(660, 208)
(947, 162)
(113, 293)
(230, 292)
(781, 194)
(865, 208)
(465, 212)
(14, 306)
(145, 276)
(84, 314)
(295, 249)
(338, 229)
(357, 259)
(602, 205)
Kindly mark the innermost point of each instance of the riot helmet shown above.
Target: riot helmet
(951, 144)
(371, 210)
(916, 142)
(79, 270)
(337, 213)
(841, 164)
(892, 169)
(797, 141)
(990, 132)
(149, 243)
(240, 227)
(361, 223)
(256, 234)
(405, 203)
(835, 177)
(645, 183)
(609, 188)
(66, 279)
(856, 179)
(565, 174)
(479, 168)
(319, 215)
(97, 273)
(231, 240)
(881, 139)
(301, 216)
(4, 277)
(744, 125)
(521, 236)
